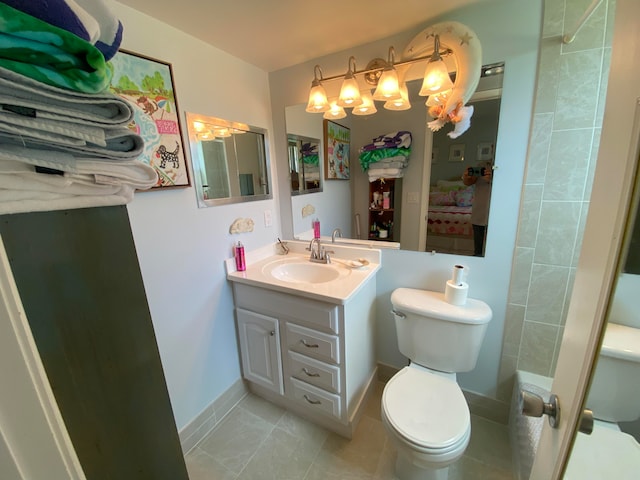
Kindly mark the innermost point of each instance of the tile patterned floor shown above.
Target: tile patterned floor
(261, 441)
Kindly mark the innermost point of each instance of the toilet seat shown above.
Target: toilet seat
(426, 410)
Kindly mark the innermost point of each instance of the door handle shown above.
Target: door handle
(533, 405)
(586, 422)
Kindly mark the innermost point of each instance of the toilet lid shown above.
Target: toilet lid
(425, 408)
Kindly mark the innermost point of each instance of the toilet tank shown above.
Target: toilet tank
(615, 388)
(436, 334)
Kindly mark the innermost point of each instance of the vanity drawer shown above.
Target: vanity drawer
(288, 307)
(315, 372)
(315, 398)
(315, 344)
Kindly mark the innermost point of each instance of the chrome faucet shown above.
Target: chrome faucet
(336, 233)
(318, 253)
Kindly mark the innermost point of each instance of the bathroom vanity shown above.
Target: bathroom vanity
(307, 335)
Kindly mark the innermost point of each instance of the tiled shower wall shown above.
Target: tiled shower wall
(563, 148)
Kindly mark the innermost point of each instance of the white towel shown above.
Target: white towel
(379, 173)
(120, 143)
(29, 97)
(139, 175)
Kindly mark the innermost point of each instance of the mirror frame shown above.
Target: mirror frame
(197, 161)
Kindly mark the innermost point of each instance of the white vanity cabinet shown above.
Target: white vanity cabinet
(315, 358)
(260, 349)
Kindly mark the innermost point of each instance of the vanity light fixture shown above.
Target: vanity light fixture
(388, 85)
(436, 75)
(401, 103)
(379, 73)
(317, 96)
(367, 107)
(219, 129)
(335, 111)
(350, 91)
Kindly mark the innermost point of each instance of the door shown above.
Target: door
(260, 349)
(598, 265)
(34, 441)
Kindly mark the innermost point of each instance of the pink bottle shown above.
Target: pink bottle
(241, 266)
(316, 228)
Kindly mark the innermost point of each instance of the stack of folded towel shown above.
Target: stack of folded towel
(311, 162)
(387, 155)
(64, 141)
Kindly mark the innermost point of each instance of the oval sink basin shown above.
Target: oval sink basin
(305, 272)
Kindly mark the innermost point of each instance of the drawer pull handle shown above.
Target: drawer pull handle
(310, 374)
(312, 402)
(309, 345)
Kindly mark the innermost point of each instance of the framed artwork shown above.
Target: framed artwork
(456, 153)
(485, 151)
(435, 153)
(147, 84)
(337, 141)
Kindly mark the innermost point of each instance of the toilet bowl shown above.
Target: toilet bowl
(423, 408)
(428, 421)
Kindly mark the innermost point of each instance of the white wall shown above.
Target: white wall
(509, 31)
(181, 248)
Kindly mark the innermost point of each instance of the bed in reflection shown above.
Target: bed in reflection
(449, 218)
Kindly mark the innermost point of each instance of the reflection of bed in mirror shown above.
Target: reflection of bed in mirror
(449, 218)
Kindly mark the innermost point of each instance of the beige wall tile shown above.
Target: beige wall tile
(569, 155)
(538, 346)
(513, 329)
(557, 232)
(591, 34)
(521, 275)
(546, 295)
(539, 147)
(578, 88)
(529, 215)
(549, 78)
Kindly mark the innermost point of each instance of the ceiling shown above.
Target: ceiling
(275, 34)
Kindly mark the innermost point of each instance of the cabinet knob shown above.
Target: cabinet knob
(272, 333)
(309, 345)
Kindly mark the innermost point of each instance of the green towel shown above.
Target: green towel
(50, 54)
(311, 159)
(372, 156)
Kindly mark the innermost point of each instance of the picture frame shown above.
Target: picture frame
(147, 84)
(456, 152)
(337, 142)
(485, 151)
(435, 153)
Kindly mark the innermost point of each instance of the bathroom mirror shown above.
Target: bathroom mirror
(430, 222)
(230, 161)
(304, 164)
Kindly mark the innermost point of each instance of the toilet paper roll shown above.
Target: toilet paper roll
(456, 294)
(458, 274)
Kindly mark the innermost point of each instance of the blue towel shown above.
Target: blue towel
(91, 20)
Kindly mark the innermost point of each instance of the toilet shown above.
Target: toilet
(423, 408)
(615, 389)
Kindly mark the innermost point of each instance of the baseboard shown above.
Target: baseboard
(479, 405)
(198, 428)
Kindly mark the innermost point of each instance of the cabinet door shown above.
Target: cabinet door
(260, 349)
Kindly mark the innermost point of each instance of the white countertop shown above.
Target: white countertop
(337, 291)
